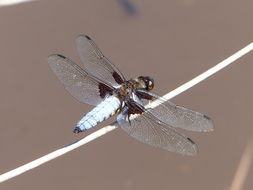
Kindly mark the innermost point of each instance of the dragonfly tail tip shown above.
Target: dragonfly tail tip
(77, 130)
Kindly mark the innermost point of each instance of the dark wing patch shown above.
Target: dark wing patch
(104, 90)
(133, 108)
(117, 77)
(144, 95)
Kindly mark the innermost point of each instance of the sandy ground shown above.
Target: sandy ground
(173, 41)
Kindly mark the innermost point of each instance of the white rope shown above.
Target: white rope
(55, 154)
(103, 131)
(12, 2)
(206, 74)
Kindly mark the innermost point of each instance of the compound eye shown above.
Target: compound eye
(150, 84)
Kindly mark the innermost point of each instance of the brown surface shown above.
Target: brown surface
(171, 41)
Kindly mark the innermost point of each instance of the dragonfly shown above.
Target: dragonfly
(101, 84)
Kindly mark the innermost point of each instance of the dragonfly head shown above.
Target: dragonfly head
(146, 82)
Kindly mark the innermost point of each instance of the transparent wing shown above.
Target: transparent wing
(96, 63)
(178, 116)
(83, 86)
(148, 129)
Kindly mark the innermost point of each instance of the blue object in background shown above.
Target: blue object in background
(129, 7)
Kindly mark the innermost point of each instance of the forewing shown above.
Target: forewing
(178, 116)
(147, 129)
(96, 63)
(83, 86)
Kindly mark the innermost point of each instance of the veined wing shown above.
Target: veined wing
(83, 86)
(178, 116)
(96, 63)
(148, 129)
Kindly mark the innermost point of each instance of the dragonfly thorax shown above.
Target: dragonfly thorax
(144, 82)
(126, 88)
(129, 88)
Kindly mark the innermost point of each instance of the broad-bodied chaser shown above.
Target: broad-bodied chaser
(101, 84)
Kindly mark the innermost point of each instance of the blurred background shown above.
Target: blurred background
(172, 41)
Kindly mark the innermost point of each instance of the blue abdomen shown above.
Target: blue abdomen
(98, 114)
